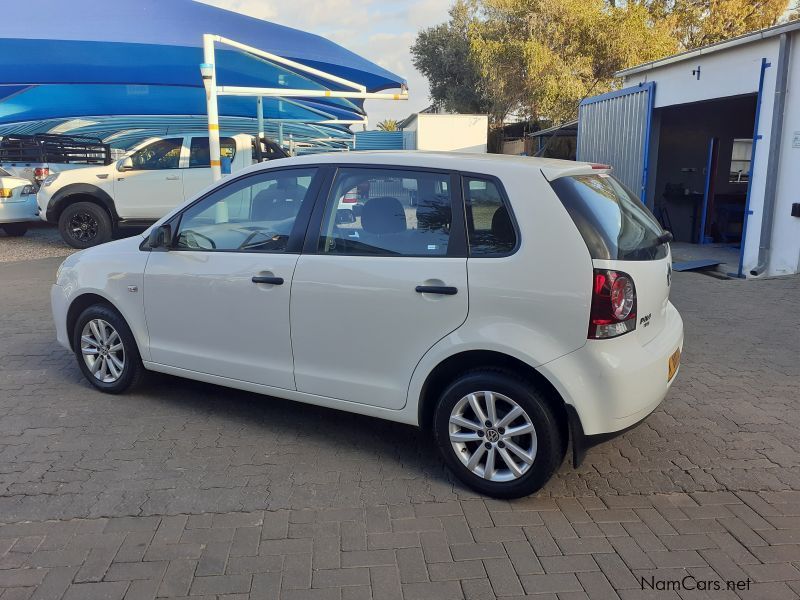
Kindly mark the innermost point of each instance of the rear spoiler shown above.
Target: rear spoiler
(580, 168)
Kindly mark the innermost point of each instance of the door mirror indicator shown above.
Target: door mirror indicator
(160, 238)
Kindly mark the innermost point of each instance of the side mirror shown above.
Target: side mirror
(160, 237)
(126, 164)
(344, 216)
(357, 210)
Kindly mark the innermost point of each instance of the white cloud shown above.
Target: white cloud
(379, 30)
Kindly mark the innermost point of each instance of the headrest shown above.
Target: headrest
(434, 215)
(502, 227)
(383, 215)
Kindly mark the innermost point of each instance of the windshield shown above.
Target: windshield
(4, 173)
(613, 222)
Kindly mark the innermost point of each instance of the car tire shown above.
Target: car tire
(97, 332)
(15, 229)
(85, 224)
(543, 447)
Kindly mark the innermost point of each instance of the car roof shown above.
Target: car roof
(455, 161)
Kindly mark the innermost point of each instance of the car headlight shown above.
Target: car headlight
(28, 190)
(50, 179)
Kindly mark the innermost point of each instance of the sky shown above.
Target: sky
(379, 30)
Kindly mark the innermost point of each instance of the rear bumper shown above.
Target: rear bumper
(19, 210)
(612, 385)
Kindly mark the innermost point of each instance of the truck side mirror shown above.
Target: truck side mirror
(160, 237)
(126, 164)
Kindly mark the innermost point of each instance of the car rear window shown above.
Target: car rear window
(613, 222)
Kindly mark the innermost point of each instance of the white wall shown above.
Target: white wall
(785, 257)
(452, 133)
(732, 72)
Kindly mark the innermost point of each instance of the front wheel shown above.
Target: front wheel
(15, 229)
(84, 224)
(498, 434)
(106, 350)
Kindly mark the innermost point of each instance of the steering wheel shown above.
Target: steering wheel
(271, 242)
(191, 243)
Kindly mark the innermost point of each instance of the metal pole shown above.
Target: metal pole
(260, 116)
(280, 134)
(213, 112)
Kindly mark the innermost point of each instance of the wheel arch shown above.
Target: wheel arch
(454, 365)
(80, 192)
(89, 298)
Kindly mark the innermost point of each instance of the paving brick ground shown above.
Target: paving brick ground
(185, 489)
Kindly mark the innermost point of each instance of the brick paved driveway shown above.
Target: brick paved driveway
(186, 489)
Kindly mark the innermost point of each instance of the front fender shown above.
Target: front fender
(60, 199)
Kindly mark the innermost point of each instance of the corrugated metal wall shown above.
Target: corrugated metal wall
(379, 140)
(614, 129)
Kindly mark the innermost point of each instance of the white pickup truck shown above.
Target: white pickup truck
(89, 204)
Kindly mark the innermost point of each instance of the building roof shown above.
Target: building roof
(747, 38)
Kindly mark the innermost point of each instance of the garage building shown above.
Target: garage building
(710, 140)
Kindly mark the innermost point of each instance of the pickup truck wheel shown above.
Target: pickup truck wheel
(84, 224)
(14, 229)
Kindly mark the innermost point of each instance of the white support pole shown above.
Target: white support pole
(209, 71)
(234, 90)
(260, 116)
(280, 134)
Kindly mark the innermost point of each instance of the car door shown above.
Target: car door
(217, 302)
(154, 185)
(378, 283)
(197, 174)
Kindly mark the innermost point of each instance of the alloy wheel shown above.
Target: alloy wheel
(83, 226)
(493, 436)
(102, 351)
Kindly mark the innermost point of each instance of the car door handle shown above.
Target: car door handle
(268, 279)
(444, 290)
(173, 177)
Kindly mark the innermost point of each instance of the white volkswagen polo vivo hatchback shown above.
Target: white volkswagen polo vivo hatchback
(508, 305)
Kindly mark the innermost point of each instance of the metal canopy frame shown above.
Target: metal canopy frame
(209, 72)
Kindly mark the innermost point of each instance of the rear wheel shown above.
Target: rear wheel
(498, 434)
(84, 224)
(106, 350)
(15, 229)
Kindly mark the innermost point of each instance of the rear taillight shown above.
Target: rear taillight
(41, 173)
(350, 198)
(613, 305)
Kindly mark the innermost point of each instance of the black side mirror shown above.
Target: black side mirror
(160, 237)
(345, 216)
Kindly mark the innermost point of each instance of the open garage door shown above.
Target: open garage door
(614, 129)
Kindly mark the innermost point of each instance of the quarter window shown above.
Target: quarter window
(162, 154)
(489, 225)
(254, 214)
(200, 156)
(383, 212)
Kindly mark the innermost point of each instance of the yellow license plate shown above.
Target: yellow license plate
(674, 361)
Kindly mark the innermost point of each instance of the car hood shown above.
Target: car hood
(12, 182)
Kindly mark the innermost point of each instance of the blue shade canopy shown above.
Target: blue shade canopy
(52, 101)
(101, 60)
(156, 42)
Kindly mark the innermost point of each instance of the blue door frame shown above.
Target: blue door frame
(765, 64)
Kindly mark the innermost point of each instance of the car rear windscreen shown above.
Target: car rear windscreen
(614, 224)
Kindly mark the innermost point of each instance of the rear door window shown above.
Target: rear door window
(200, 156)
(613, 222)
(490, 228)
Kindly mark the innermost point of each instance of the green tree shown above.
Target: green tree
(543, 56)
(700, 22)
(443, 55)
(388, 125)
